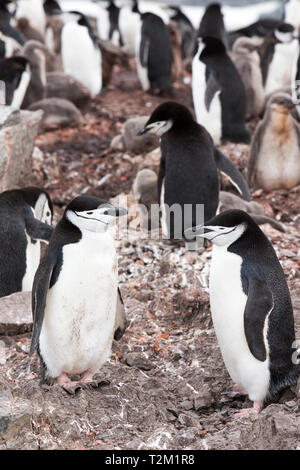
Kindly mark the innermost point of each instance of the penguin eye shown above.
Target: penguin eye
(47, 213)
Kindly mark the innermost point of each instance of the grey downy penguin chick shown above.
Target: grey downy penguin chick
(35, 53)
(274, 157)
(76, 309)
(231, 201)
(251, 307)
(246, 59)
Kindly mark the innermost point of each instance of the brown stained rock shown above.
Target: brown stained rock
(15, 314)
(16, 147)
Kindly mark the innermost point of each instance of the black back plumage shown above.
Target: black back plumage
(260, 28)
(5, 26)
(16, 218)
(156, 51)
(212, 24)
(233, 95)
(52, 7)
(189, 167)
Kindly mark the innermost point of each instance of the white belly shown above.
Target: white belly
(281, 67)
(81, 58)
(212, 119)
(33, 252)
(228, 302)
(78, 326)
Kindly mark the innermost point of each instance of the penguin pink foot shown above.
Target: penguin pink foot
(67, 384)
(235, 391)
(255, 410)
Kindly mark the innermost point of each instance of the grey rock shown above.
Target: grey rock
(204, 399)
(133, 142)
(16, 147)
(138, 360)
(15, 314)
(58, 112)
(9, 116)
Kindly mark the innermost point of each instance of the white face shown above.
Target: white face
(159, 127)
(219, 235)
(96, 220)
(284, 37)
(68, 17)
(42, 210)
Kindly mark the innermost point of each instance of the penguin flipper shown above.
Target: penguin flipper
(212, 87)
(161, 175)
(40, 289)
(253, 153)
(144, 50)
(120, 322)
(38, 230)
(259, 305)
(226, 166)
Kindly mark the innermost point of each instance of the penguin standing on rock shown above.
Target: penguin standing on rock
(219, 93)
(189, 165)
(251, 308)
(154, 54)
(74, 333)
(26, 215)
(81, 55)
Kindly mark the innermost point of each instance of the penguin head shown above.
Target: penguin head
(92, 213)
(166, 116)
(281, 102)
(223, 229)
(285, 33)
(40, 202)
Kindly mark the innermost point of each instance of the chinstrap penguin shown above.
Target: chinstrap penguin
(251, 307)
(189, 165)
(75, 298)
(219, 92)
(81, 55)
(154, 54)
(26, 216)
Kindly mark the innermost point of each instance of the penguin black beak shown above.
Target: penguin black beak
(116, 211)
(142, 131)
(199, 230)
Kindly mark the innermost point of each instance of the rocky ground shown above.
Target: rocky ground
(164, 385)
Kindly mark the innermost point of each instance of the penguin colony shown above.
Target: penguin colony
(251, 72)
